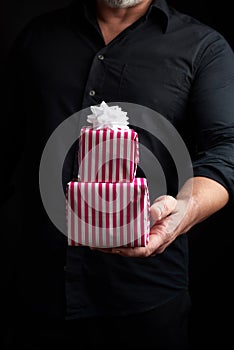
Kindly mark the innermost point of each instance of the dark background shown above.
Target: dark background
(211, 259)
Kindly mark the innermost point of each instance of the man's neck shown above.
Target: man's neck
(112, 21)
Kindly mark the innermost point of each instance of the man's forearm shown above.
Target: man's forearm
(201, 197)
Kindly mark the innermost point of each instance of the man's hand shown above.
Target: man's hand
(164, 220)
(170, 217)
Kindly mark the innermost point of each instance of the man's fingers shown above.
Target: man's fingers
(162, 207)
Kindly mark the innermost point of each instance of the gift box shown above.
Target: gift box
(108, 214)
(107, 155)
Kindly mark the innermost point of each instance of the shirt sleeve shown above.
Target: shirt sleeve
(212, 111)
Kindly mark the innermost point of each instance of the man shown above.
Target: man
(141, 52)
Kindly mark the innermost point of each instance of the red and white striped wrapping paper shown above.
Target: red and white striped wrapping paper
(108, 214)
(107, 155)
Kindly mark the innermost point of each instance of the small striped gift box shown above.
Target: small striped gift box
(108, 214)
(107, 155)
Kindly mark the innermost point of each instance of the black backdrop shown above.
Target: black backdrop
(211, 271)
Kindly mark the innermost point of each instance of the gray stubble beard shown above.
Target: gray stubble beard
(122, 3)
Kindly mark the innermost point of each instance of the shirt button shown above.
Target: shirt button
(92, 92)
(101, 57)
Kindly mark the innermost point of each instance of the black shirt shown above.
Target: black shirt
(167, 62)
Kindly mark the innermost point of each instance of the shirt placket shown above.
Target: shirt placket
(94, 86)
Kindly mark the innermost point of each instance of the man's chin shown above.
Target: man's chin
(122, 3)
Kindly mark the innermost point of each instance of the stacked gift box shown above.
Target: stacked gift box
(108, 206)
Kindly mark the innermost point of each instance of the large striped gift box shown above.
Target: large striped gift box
(108, 214)
(107, 155)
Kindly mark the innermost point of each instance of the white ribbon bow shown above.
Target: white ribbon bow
(105, 116)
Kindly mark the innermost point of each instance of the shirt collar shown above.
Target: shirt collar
(161, 11)
(158, 9)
